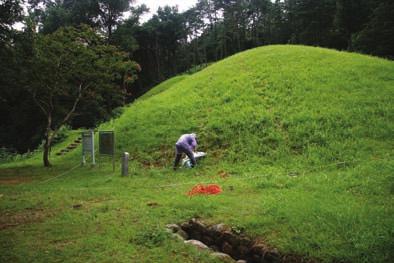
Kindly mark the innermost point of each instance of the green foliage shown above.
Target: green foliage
(10, 13)
(62, 134)
(150, 237)
(6, 155)
(69, 65)
(117, 112)
(55, 17)
(377, 37)
(21, 127)
(104, 14)
(110, 13)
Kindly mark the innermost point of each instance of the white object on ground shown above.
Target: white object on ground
(197, 155)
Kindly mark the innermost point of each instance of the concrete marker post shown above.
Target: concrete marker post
(125, 164)
(83, 156)
(93, 157)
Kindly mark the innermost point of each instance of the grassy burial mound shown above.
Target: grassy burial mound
(273, 105)
(300, 139)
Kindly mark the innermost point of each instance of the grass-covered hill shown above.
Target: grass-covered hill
(300, 139)
(270, 105)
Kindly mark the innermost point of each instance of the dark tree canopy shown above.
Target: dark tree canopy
(377, 37)
(10, 13)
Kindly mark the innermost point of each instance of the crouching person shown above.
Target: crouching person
(186, 144)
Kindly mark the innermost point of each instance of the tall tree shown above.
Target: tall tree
(124, 36)
(194, 25)
(19, 124)
(10, 12)
(68, 65)
(350, 17)
(56, 14)
(160, 40)
(111, 12)
(377, 37)
(311, 21)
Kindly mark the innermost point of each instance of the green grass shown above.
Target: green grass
(163, 86)
(305, 135)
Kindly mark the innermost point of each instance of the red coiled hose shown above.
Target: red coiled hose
(200, 189)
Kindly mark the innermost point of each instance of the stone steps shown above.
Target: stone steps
(70, 147)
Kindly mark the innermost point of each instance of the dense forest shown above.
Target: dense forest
(76, 62)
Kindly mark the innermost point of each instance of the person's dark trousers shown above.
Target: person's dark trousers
(182, 149)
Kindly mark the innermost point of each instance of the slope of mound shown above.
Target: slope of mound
(275, 103)
(163, 87)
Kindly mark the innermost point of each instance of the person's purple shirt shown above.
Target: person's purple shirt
(188, 141)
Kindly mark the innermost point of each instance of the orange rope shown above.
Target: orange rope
(200, 189)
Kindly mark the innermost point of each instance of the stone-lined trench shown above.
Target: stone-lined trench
(227, 245)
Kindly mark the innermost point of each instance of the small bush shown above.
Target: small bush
(61, 135)
(149, 237)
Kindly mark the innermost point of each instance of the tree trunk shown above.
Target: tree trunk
(47, 146)
(157, 56)
(49, 133)
(109, 33)
(48, 139)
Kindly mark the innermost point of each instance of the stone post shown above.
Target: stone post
(125, 164)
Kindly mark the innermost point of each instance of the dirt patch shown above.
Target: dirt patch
(28, 216)
(15, 180)
(230, 245)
